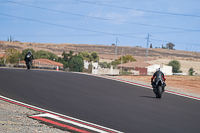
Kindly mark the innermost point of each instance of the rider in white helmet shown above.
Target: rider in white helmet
(29, 57)
(158, 75)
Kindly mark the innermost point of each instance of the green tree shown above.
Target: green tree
(108, 65)
(85, 55)
(42, 54)
(67, 57)
(115, 62)
(53, 56)
(113, 44)
(170, 45)
(76, 64)
(1, 60)
(95, 56)
(191, 71)
(61, 60)
(103, 64)
(151, 46)
(12, 55)
(175, 65)
(25, 51)
(127, 58)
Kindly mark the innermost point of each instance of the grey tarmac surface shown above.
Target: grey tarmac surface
(109, 103)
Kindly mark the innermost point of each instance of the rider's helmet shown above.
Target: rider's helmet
(29, 52)
(158, 69)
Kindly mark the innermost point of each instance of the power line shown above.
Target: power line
(75, 28)
(106, 19)
(94, 31)
(166, 13)
(63, 35)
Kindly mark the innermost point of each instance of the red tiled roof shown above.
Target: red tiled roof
(49, 62)
(45, 62)
(1, 55)
(134, 64)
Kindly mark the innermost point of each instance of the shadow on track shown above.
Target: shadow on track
(148, 96)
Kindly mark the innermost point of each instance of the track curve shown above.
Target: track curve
(109, 103)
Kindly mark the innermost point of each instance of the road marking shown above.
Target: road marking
(75, 121)
(47, 115)
(59, 124)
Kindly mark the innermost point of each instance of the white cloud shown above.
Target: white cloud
(118, 17)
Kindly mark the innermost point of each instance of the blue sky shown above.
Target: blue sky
(102, 21)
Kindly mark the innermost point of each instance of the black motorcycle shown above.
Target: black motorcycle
(158, 88)
(28, 62)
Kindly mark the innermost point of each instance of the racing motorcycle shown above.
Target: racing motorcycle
(28, 61)
(158, 88)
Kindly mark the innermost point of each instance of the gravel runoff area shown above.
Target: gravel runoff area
(14, 119)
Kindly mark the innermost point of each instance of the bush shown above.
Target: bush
(191, 71)
(126, 73)
(175, 65)
(12, 55)
(180, 71)
(76, 64)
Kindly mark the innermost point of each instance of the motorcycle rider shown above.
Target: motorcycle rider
(29, 57)
(158, 75)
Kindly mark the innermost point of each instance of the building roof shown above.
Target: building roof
(45, 62)
(134, 64)
(1, 55)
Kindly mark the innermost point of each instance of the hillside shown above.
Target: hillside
(103, 50)
(107, 53)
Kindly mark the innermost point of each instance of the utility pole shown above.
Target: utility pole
(121, 59)
(147, 47)
(116, 49)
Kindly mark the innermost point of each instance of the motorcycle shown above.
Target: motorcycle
(158, 88)
(28, 62)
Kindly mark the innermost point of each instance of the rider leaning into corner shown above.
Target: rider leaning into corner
(29, 57)
(158, 75)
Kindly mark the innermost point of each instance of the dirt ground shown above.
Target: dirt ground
(185, 84)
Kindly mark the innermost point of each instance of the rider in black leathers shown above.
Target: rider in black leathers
(29, 54)
(158, 75)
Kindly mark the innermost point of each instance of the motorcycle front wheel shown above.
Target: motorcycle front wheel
(28, 65)
(159, 92)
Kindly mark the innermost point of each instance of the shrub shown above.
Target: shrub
(175, 65)
(191, 71)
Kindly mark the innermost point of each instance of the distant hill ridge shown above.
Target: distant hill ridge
(102, 50)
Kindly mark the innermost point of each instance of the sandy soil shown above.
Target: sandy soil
(185, 84)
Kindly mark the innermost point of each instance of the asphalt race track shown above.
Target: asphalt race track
(113, 104)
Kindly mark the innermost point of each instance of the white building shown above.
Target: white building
(95, 66)
(108, 71)
(167, 70)
(86, 64)
(96, 69)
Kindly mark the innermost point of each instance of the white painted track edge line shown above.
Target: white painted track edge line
(60, 114)
(71, 122)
